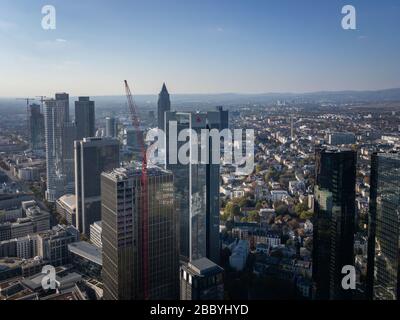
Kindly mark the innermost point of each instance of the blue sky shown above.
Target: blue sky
(208, 46)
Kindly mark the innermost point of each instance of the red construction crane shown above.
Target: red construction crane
(144, 218)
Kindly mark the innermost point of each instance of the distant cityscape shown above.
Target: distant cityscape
(324, 195)
(200, 158)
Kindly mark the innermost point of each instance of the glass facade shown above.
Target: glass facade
(92, 157)
(122, 238)
(196, 188)
(334, 221)
(384, 245)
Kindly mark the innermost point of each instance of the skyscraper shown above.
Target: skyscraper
(36, 127)
(84, 118)
(334, 221)
(111, 127)
(123, 272)
(68, 138)
(383, 277)
(63, 101)
(54, 118)
(164, 105)
(92, 157)
(196, 188)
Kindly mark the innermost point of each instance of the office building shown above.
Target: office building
(53, 244)
(59, 136)
(164, 105)
(201, 279)
(92, 157)
(334, 220)
(126, 266)
(383, 272)
(84, 118)
(340, 138)
(95, 234)
(36, 127)
(66, 208)
(63, 101)
(334, 214)
(197, 189)
(68, 138)
(111, 127)
(224, 117)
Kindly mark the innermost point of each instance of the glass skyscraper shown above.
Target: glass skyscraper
(122, 235)
(383, 278)
(36, 127)
(196, 187)
(84, 118)
(334, 221)
(164, 105)
(92, 157)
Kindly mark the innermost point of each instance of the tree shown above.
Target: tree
(306, 215)
(300, 208)
(253, 216)
(281, 209)
(231, 210)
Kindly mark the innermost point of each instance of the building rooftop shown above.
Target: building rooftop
(203, 266)
(69, 200)
(134, 170)
(87, 251)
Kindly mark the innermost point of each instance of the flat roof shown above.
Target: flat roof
(203, 266)
(87, 251)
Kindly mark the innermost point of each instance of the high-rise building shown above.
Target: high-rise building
(201, 280)
(95, 234)
(60, 134)
(63, 101)
(224, 117)
(68, 138)
(383, 272)
(122, 236)
(36, 127)
(196, 187)
(92, 157)
(54, 124)
(84, 118)
(334, 225)
(340, 138)
(111, 127)
(164, 105)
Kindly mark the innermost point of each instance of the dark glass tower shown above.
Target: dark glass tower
(92, 157)
(383, 277)
(196, 188)
(164, 105)
(122, 238)
(36, 126)
(84, 118)
(334, 221)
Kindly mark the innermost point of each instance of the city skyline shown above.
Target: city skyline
(203, 47)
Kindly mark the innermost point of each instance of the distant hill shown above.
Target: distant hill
(227, 99)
